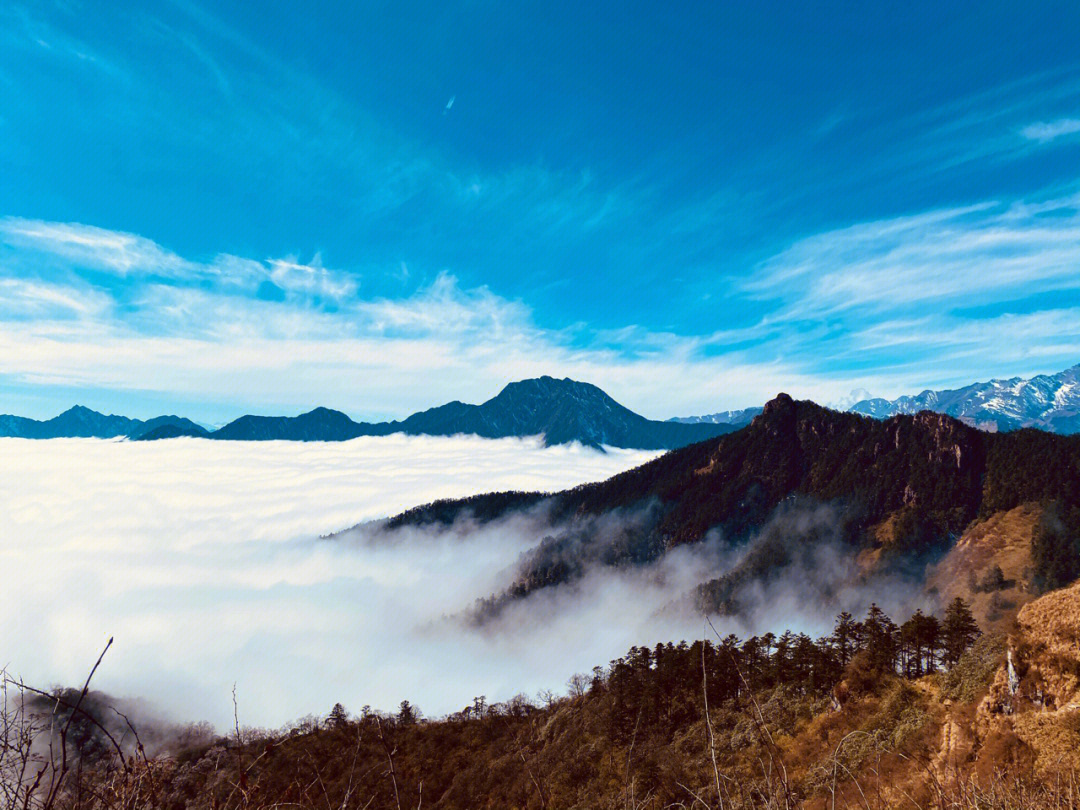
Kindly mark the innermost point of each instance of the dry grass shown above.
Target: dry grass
(1003, 539)
(1049, 641)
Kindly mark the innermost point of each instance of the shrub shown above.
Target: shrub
(971, 676)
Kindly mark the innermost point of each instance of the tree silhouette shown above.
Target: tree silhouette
(407, 714)
(338, 717)
(845, 637)
(958, 631)
(878, 636)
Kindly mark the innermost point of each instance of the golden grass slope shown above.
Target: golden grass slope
(1003, 539)
(1040, 704)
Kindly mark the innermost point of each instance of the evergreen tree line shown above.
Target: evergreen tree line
(661, 689)
(632, 729)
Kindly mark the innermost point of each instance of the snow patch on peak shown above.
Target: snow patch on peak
(1049, 401)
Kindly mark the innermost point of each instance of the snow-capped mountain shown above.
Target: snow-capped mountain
(736, 418)
(1047, 401)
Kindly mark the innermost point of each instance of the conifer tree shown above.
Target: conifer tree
(407, 714)
(958, 631)
(920, 643)
(845, 637)
(879, 638)
(338, 717)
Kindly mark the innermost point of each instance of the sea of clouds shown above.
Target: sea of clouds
(210, 565)
(204, 561)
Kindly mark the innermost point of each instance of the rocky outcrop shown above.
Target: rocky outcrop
(1036, 692)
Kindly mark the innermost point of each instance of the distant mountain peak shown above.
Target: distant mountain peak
(736, 418)
(781, 403)
(550, 386)
(1046, 401)
(325, 412)
(560, 410)
(81, 411)
(80, 421)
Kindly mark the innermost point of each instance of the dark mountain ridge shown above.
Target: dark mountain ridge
(172, 432)
(562, 411)
(79, 421)
(320, 424)
(903, 489)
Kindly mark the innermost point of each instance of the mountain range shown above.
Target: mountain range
(562, 411)
(83, 422)
(569, 411)
(803, 505)
(736, 418)
(1048, 402)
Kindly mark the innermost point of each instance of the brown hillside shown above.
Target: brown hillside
(1002, 540)
(1038, 703)
(770, 722)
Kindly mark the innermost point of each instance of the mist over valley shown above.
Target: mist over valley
(203, 559)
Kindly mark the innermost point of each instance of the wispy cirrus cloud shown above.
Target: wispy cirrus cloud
(937, 298)
(206, 331)
(941, 297)
(1046, 131)
(312, 279)
(73, 247)
(95, 248)
(957, 256)
(22, 299)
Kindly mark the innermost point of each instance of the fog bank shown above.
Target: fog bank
(207, 562)
(203, 560)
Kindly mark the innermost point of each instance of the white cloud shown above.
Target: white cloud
(877, 305)
(1046, 131)
(937, 299)
(374, 375)
(129, 256)
(24, 298)
(311, 279)
(444, 308)
(202, 559)
(962, 256)
(95, 248)
(207, 337)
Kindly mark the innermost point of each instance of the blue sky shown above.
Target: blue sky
(215, 211)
